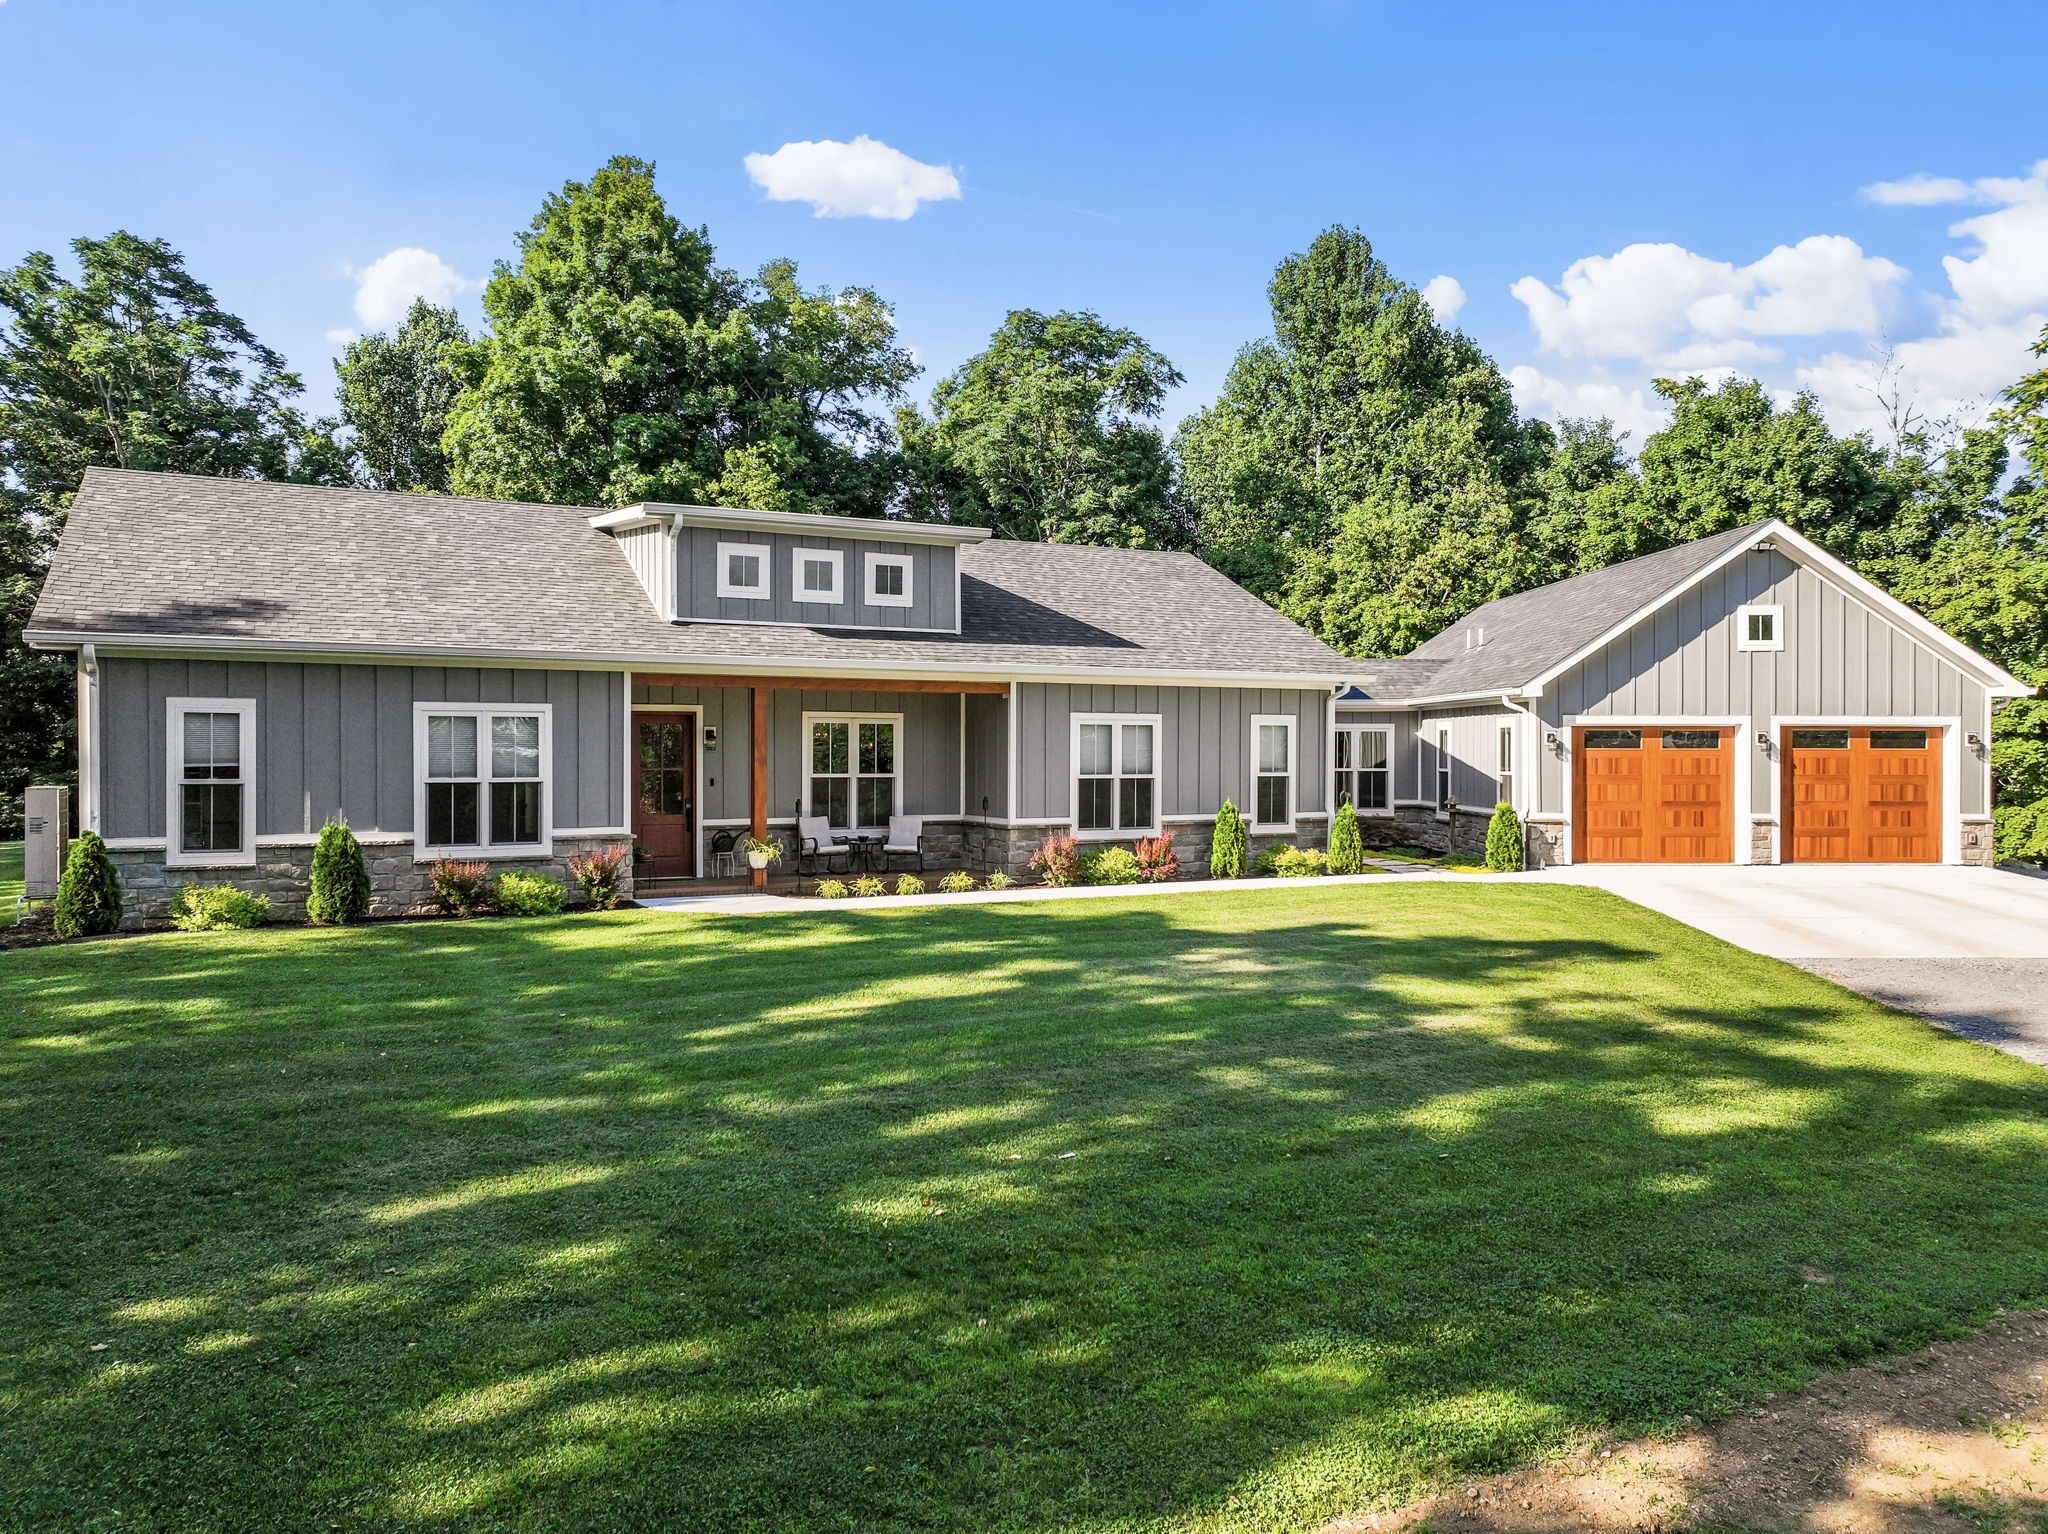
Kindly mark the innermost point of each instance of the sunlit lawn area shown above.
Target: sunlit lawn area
(1185, 1212)
(10, 880)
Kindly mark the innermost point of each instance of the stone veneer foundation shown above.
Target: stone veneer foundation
(398, 883)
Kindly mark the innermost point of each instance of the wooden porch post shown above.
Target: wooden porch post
(760, 775)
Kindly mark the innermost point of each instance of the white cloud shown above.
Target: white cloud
(1917, 191)
(863, 179)
(2008, 271)
(1955, 374)
(1666, 305)
(386, 287)
(340, 337)
(1633, 407)
(1445, 297)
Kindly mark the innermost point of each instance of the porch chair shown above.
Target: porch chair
(726, 861)
(820, 844)
(906, 840)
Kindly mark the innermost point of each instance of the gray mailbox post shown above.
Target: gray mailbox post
(47, 824)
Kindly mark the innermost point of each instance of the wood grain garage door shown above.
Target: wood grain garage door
(1862, 795)
(1654, 795)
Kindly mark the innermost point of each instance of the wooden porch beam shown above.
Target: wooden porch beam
(762, 684)
(760, 776)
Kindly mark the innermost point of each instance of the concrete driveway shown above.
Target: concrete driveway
(1963, 947)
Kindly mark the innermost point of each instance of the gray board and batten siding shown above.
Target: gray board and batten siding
(1841, 658)
(934, 589)
(1204, 747)
(338, 739)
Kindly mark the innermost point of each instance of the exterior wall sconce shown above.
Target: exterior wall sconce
(1550, 739)
(1763, 738)
(1976, 741)
(710, 737)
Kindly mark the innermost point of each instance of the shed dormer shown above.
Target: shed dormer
(709, 564)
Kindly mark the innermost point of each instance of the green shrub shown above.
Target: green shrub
(1292, 862)
(1504, 840)
(867, 886)
(461, 888)
(1229, 845)
(1347, 847)
(89, 892)
(1112, 865)
(958, 882)
(600, 871)
(998, 881)
(217, 908)
(909, 884)
(519, 893)
(831, 889)
(1058, 860)
(1156, 858)
(341, 879)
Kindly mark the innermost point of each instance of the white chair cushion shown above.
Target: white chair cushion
(815, 828)
(904, 830)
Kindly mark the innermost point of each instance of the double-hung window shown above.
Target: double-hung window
(1443, 771)
(1507, 764)
(743, 570)
(853, 769)
(211, 808)
(482, 778)
(1116, 776)
(1273, 770)
(1364, 779)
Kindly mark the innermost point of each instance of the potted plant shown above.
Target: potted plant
(760, 853)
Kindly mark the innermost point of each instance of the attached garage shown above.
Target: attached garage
(1862, 794)
(1649, 794)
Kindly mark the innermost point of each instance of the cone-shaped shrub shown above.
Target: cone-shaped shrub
(1229, 846)
(89, 893)
(1504, 840)
(341, 880)
(1347, 847)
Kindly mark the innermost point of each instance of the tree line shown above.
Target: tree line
(1364, 468)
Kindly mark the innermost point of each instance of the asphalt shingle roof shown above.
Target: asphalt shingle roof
(173, 556)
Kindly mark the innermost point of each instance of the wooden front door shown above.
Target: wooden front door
(1647, 794)
(1862, 795)
(665, 795)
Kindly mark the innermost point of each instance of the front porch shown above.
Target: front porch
(713, 759)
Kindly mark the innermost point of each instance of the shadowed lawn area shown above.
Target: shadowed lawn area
(1231, 1212)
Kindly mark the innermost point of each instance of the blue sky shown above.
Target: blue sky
(1607, 184)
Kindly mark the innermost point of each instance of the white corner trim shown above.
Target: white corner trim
(874, 564)
(175, 710)
(810, 596)
(762, 590)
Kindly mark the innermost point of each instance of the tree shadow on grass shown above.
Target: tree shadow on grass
(995, 1217)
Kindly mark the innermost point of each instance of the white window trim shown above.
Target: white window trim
(1120, 833)
(803, 598)
(901, 562)
(755, 593)
(175, 710)
(423, 850)
(1777, 616)
(1259, 722)
(1504, 774)
(1442, 778)
(1385, 730)
(853, 722)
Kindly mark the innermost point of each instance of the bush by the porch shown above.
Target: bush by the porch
(1157, 859)
(516, 892)
(340, 891)
(217, 908)
(1229, 846)
(1058, 860)
(1347, 846)
(1504, 840)
(1113, 865)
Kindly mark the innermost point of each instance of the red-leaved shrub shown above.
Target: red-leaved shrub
(1058, 860)
(1156, 858)
(599, 872)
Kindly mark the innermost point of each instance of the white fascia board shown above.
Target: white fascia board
(623, 521)
(790, 521)
(766, 667)
(2002, 683)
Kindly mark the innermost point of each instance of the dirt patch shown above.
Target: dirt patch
(1952, 1438)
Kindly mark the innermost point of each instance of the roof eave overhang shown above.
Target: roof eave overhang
(766, 666)
(650, 513)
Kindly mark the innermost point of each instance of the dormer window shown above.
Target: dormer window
(888, 580)
(815, 574)
(1760, 628)
(743, 570)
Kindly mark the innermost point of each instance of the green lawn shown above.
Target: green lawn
(1179, 1212)
(10, 880)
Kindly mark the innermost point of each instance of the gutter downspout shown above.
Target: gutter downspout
(1525, 768)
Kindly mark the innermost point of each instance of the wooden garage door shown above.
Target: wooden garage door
(1654, 795)
(1863, 796)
